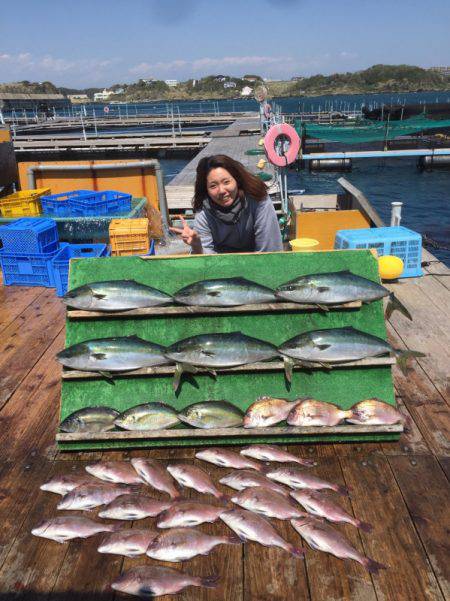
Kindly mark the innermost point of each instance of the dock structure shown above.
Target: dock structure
(401, 488)
(235, 140)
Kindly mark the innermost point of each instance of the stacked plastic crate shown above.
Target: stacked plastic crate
(130, 237)
(86, 203)
(26, 203)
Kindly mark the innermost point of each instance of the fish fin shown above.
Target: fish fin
(108, 375)
(98, 295)
(322, 347)
(177, 376)
(403, 356)
(288, 367)
(213, 293)
(342, 490)
(364, 526)
(145, 590)
(373, 566)
(395, 305)
(322, 288)
(234, 539)
(207, 353)
(99, 356)
(297, 551)
(322, 307)
(325, 365)
(210, 581)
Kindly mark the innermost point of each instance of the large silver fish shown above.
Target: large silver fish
(217, 351)
(155, 475)
(133, 507)
(106, 355)
(267, 452)
(321, 536)
(191, 476)
(268, 411)
(212, 414)
(311, 412)
(181, 544)
(321, 506)
(267, 502)
(224, 292)
(67, 527)
(374, 412)
(297, 478)
(335, 288)
(148, 416)
(88, 496)
(130, 542)
(153, 581)
(183, 514)
(227, 458)
(250, 526)
(115, 295)
(121, 472)
(90, 419)
(337, 345)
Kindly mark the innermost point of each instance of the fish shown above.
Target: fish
(88, 496)
(335, 288)
(133, 507)
(240, 479)
(320, 506)
(321, 536)
(152, 581)
(267, 502)
(267, 452)
(90, 419)
(130, 542)
(267, 411)
(182, 514)
(181, 544)
(121, 472)
(332, 346)
(252, 527)
(112, 355)
(374, 412)
(217, 351)
(64, 528)
(212, 414)
(64, 483)
(226, 458)
(148, 416)
(194, 477)
(155, 475)
(224, 292)
(296, 478)
(312, 412)
(115, 295)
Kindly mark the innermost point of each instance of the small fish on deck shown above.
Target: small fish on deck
(194, 477)
(181, 544)
(130, 542)
(296, 478)
(120, 472)
(155, 475)
(133, 507)
(182, 514)
(88, 496)
(64, 528)
(266, 452)
(267, 502)
(227, 458)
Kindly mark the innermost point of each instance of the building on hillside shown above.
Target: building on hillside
(102, 96)
(78, 98)
(297, 78)
(251, 78)
(221, 78)
(229, 84)
(246, 91)
(445, 71)
(34, 102)
(172, 83)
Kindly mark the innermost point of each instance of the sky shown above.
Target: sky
(96, 43)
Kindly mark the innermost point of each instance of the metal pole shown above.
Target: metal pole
(95, 123)
(396, 213)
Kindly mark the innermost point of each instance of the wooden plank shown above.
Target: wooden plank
(394, 542)
(190, 310)
(14, 300)
(412, 440)
(24, 341)
(426, 492)
(228, 432)
(328, 576)
(164, 370)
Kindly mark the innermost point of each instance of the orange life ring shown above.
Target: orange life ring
(270, 144)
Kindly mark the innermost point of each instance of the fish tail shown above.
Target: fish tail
(373, 566)
(364, 526)
(177, 376)
(306, 462)
(222, 497)
(209, 581)
(403, 356)
(347, 414)
(297, 551)
(233, 539)
(342, 490)
(395, 305)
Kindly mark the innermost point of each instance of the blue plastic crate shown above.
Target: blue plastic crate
(29, 235)
(108, 202)
(30, 270)
(57, 205)
(398, 241)
(60, 263)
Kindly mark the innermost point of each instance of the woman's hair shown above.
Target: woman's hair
(248, 184)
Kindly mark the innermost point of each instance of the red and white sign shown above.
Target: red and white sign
(106, 109)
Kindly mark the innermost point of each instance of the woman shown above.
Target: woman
(233, 212)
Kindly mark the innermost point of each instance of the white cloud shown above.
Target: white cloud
(348, 55)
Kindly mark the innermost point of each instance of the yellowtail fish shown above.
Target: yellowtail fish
(224, 292)
(212, 414)
(148, 416)
(90, 419)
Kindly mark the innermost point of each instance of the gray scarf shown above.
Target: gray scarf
(228, 215)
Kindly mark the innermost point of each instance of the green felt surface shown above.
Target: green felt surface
(343, 386)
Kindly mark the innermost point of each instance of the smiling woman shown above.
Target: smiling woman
(233, 212)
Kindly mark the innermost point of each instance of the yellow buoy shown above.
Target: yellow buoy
(261, 164)
(261, 142)
(303, 244)
(390, 267)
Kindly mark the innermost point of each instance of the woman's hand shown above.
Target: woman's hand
(188, 235)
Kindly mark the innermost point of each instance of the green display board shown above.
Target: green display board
(343, 386)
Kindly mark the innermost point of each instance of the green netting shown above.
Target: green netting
(255, 151)
(369, 131)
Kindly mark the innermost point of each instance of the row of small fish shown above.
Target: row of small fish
(320, 289)
(264, 412)
(317, 348)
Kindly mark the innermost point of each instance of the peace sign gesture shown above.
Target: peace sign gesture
(188, 235)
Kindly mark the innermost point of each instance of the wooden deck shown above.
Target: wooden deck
(401, 488)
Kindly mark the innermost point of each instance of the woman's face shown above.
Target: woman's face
(221, 186)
